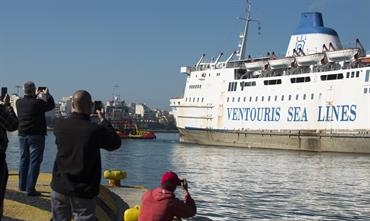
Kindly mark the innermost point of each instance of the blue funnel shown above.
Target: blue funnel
(312, 22)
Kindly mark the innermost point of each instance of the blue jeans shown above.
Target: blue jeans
(64, 206)
(32, 152)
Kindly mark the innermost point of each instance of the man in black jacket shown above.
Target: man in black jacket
(8, 121)
(32, 130)
(77, 167)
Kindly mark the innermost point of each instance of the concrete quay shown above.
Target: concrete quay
(111, 202)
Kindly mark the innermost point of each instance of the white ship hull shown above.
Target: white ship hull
(316, 116)
(311, 106)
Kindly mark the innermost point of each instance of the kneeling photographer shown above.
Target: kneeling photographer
(161, 204)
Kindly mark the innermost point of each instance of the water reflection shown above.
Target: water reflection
(238, 183)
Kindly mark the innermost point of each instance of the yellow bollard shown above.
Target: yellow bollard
(114, 176)
(132, 214)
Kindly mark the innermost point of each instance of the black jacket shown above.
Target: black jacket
(31, 114)
(77, 167)
(8, 121)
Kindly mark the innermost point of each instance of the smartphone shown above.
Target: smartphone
(41, 88)
(4, 91)
(98, 105)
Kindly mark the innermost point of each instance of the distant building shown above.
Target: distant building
(145, 113)
(65, 106)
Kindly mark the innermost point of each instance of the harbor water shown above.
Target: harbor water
(240, 183)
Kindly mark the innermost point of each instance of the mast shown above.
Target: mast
(244, 36)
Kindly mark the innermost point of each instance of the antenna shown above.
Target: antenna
(247, 20)
(115, 88)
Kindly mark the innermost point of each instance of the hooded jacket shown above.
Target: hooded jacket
(162, 205)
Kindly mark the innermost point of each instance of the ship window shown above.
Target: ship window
(296, 97)
(330, 77)
(367, 78)
(263, 97)
(282, 97)
(227, 100)
(300, 80)
(347, 74)
(290, 97)
(275, 97)
(250, 99)
(352, 74)
(186, 99)
(269, 98)
(238, 99)
(304, 96)
(249, 83)
(239, 73)
(312, 96)
(198, 99)
(365, 90)
(233, 99)
(202, 99)
(357, 74)
(256, 98)
(245, 99)
(272, 82)
(193, 99)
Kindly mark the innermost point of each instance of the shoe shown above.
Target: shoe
(34, 193)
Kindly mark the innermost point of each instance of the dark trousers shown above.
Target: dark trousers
(64, 207)
(3, 181)
(32, 152)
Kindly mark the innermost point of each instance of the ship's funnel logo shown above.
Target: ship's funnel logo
(301, 41)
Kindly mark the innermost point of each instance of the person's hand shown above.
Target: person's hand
(184, 184)
(7, 99)
(100, 114)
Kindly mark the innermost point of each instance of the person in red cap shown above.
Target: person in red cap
(161, 204)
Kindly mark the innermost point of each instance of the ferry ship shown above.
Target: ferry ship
(316, 98)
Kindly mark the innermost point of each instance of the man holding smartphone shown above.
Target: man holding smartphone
(32, 130)
(8, 122)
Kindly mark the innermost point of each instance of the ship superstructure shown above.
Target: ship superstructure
(315, 98)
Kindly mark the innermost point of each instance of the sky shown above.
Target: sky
(134, 49)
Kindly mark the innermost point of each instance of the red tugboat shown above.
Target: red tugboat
(117, 113)
(129, 130)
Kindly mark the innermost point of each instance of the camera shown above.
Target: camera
(41, 89)
(98, 105)
(184, 183)
(4, 91)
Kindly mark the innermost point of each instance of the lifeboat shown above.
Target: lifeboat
(256, 65)
(342, 55)
(311, 59)
(281, 62)
(365, 60)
